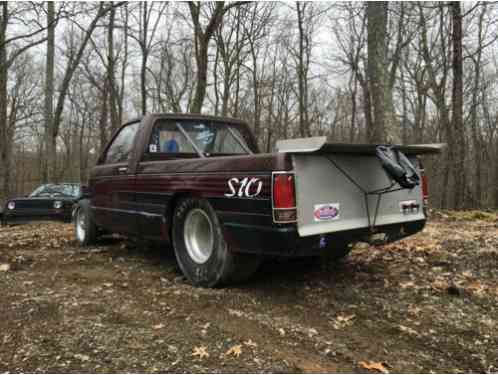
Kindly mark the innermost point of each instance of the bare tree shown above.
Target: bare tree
(305, 24)
(75, 54)
(145, 38)
(202, 37)
(49, 86)
(458, 146)
(10, 50)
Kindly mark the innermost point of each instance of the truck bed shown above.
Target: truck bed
(342, 187)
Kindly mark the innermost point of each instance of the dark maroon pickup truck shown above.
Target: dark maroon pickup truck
(200, 184)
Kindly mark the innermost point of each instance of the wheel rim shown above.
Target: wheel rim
(80, 225)
(198, 235)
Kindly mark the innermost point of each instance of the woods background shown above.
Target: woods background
(71, 73)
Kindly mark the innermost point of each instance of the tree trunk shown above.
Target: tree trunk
(202, 38)
(235, 110)
(103, 118)
(113, 91)
(50, 147)
(354, 90)
(476, 136)
(496, 173)
(458, 147)
(302, 73)
(4, 146)
(377, 31)
(201, 77)
(145, 55)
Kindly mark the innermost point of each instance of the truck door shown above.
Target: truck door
(113, 184)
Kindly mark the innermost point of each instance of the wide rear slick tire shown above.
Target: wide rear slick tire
(337, 253)
(201, 250)
(84, 224)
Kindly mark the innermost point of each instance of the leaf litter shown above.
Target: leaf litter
(427, 303)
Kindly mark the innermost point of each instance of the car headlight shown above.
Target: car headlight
(57, 204)
(11, 205)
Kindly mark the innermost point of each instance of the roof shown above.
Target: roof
(187, 116)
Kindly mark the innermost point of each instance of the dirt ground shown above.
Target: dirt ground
(428, 303)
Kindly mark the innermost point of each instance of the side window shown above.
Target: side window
(226, 143)
(167, 139)
(120, 149)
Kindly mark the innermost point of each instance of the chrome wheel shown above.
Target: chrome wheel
(80, 225)
(198, 235)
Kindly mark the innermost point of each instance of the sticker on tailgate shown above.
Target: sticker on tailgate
(409, 207)
(326, 212)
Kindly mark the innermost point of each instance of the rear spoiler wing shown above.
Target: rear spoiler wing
(320, 145)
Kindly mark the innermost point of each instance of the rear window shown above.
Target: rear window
(192, 137)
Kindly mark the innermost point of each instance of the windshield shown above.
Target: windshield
(49, 190)
(205, 137)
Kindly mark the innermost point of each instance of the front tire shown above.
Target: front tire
(201, 250)
(84, 225)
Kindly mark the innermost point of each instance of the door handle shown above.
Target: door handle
(122, 170)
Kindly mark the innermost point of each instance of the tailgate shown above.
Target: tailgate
(332, 181)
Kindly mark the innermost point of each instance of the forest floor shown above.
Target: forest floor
(425, 304)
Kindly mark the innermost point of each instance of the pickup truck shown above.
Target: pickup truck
(200, 184)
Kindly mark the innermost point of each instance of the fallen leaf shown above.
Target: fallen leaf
(476, 287)
(4, 267)
(408, 284)
(408, 330)
(467, 274)
(236, 313)
(82, 357)
(158, 326)
(235, 350)
(414, 310)
(312, 332)
(342, 321)
(345, 318)
(200, 351)
(378, 366)
(250, 343)
(440, 284)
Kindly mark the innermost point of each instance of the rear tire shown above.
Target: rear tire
(201, 250)
(338, 253)
(84, 225)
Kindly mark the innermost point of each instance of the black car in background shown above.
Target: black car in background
(47, 202)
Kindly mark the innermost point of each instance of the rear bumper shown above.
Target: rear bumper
(285, 240)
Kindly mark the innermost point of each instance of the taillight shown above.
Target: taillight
(425, 188)
(284, 198)
(283, 191)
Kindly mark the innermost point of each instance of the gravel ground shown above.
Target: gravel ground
(428, 303)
